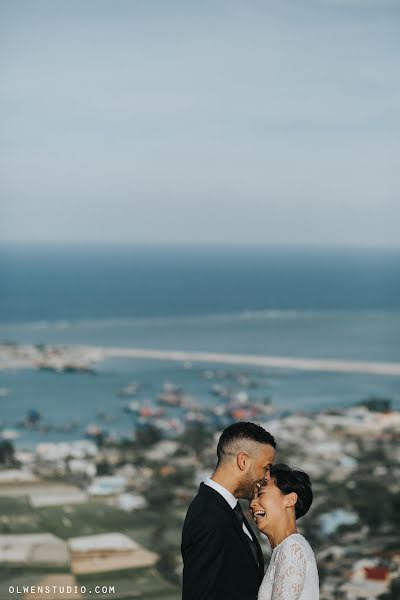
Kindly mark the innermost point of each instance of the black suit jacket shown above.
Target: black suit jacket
(217, 560)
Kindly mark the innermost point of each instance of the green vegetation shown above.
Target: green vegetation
(90, 518)
(394, 591)
(375, 404)
(7, 453)
(131, 585)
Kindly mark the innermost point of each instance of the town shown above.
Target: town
(108, 513)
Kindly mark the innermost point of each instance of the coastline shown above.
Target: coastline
(82, 358)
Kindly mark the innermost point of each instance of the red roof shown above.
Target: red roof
(377, 573)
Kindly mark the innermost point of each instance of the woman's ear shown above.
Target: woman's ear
(291, 500)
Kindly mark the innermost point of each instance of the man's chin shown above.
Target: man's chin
(250, 492)
(244, 496)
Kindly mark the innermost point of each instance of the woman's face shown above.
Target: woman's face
(268, 506)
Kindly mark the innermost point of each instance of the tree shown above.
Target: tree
(147, 436)
(394, 591)
(197, 437)
(7, 452)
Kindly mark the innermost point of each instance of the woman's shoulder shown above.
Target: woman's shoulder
(296, 546)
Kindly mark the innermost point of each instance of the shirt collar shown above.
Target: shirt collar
(230, 498)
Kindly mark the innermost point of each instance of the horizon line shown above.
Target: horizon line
(204, 244)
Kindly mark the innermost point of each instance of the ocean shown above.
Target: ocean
(294, 302)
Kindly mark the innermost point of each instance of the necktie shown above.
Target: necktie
(239, 514)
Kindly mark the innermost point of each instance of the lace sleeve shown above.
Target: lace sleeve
(290, 573)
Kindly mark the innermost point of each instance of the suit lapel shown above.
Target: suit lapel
(205, 489)
(243, 537)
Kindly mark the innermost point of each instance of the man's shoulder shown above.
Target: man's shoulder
(208, 507)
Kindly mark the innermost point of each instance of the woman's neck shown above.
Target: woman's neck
(281, 533)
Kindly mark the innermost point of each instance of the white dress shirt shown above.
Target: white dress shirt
(226, 494)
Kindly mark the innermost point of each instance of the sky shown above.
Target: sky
(219, 121)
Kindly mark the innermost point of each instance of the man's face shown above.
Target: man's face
(258, 470)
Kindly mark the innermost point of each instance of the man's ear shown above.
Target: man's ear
(242, 460)
(291, 500)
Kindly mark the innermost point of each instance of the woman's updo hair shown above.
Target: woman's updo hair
(293, 480)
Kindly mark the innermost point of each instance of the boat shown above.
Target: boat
(129, 390)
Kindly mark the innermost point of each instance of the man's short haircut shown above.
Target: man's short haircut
(293, 480)
(242, 431)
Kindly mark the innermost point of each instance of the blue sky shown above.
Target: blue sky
(225, 121)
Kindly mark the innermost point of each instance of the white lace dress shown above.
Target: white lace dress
(292, 573)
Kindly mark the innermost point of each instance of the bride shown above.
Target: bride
(292, 573)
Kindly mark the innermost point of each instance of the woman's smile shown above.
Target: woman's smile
(258, 515)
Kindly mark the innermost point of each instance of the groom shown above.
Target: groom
(222, 558)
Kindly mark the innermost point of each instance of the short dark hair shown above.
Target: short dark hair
(243, 431)
(293, 480)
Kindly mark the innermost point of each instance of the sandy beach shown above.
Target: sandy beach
(80, 358)
(282, 362)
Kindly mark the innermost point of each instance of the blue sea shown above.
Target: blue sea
(292, 302)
